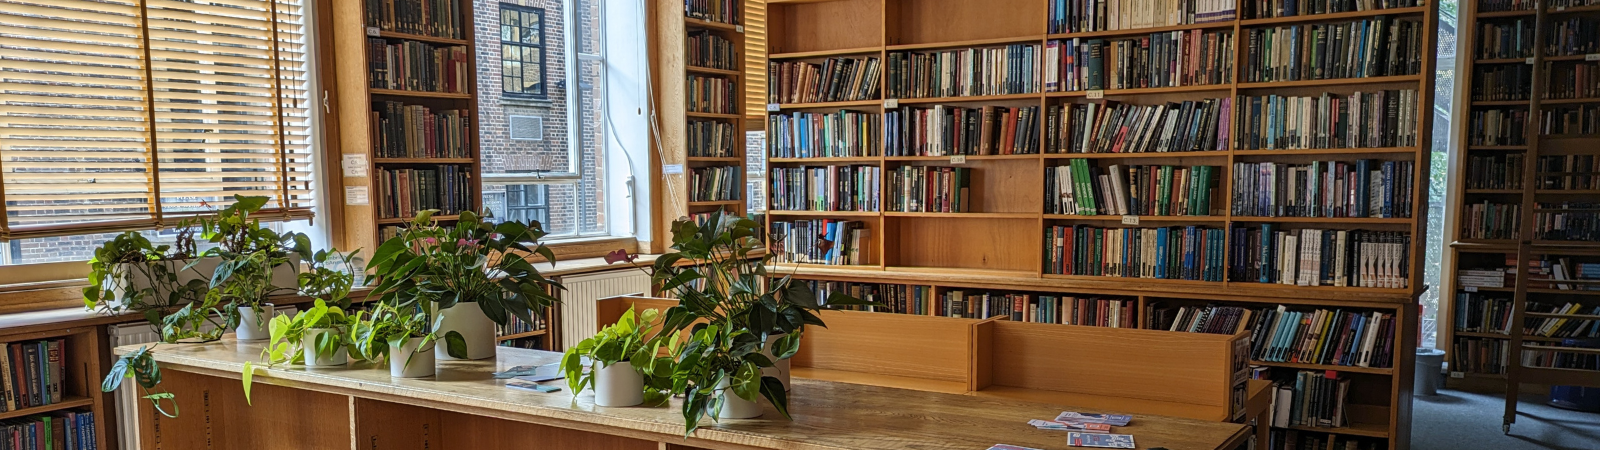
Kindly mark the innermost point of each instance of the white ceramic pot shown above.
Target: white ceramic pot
(734, 407)
(251, 329)
(409, 361)
(338, 358)
(780, 367)
(618, 385)
(474, 326)
(285, 277)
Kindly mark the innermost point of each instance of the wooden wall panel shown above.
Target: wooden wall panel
(955, 244)
(393, 426)
(213, 415)
(468, 432)
(1126, 363)
(809, 27)
(930, 21)
(889, 344)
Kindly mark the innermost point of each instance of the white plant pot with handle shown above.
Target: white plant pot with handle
(338, 358)
(618, 385)
(734, 407)
(475, 328)
(251, 329)
(780, 367)
(410, 361)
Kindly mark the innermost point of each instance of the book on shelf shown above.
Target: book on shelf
(1091, 311)
(929, 189)
(843, 134)
(1314, 399)
(1081, 188)
(721, 11)
(712, 51)
(1360, 188)
(1568, 172)
(1549, 272)
(436, 18)
(418, 66)
(1482, 313)
(1574, 35)
(1570, 120)
(405, 192)
(65, 430)
(1262, 9)
(1359, 120)
(416, 131)
(32, 373)
(821, 241)
(1510, 38)
(1490, 220)
(1505, 5)
(1485, 278)
(949, 130)
(960, 302)
(1116, 127)
(1211, 319)
(1562, 327)
(834, 80)
(825, 188)
(1559, 359)
(1329, 337)
(1479, 355)
(1166, 59)
(1377, 47)
(1502, 82)
(1079, 16)
(1315, 257)
(1012, 69)
(530, 343)
(516, 325)
(1498, 126)
(1171, 253)
(1304, 440)
(712, 94)
(1497, 171)
(895, 298)
(1579, 80)
(1567, 221)
(713, 138)
(716, 183)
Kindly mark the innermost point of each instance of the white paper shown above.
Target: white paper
(672, 169)
(355, 195)
(355, 165)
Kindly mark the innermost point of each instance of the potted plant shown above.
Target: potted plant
(129, 273)
(625, 362)
(477, 273)
(741, 320)
(251, 263)
(318, 336)
(403, 337)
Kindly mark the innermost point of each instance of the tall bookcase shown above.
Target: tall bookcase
(364, 105)
(1000, 244)
(1529, 134)
(80, 355)
(684, 90)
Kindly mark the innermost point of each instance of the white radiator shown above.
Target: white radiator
(577, 302)
(127, 399)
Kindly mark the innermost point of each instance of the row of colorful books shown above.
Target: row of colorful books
(1362, 188)
(1377, 47)
(826, 188)
(1012, 69)
(713, 138)
(1116, 127)
(1491, 220)
(722, 11)
(1495, 171)
(834, 80)
(1261, 9)
(417, 66)
(946, 130)
(1078, 16)
(710, 50)
(1567, 222)
(1359, 120)
(1166, 59)
(1172, 253)
(404, 192)
(1570, 120)
(1083, 189)
(710, 94)
(437, 18)
(1505, 39)
(821, 241)
(1317, 257)
(416, 131)
(1568, 172)
(1502, 82)
(716, 183)
(842, 134)
(929, 189)
(68, 430)
(32, 374)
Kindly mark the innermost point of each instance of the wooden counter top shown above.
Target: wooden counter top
(828, 415)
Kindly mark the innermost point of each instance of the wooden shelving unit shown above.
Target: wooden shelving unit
(999, 245)
(84, 361)
(1522, 287)
(672, 72)
(357, 100)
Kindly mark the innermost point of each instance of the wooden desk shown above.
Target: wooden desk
(463, 408)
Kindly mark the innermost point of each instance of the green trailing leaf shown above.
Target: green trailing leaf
(245, 377)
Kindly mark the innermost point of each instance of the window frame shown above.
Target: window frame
(544, 54)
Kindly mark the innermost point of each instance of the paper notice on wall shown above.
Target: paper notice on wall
(355, 165)
(355, 195)
(672, 169)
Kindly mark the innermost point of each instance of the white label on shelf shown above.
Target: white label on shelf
(672, 169)
(738, 28)
(1096, 94)
(355, 195)
(958, 159)
(773, 107)
(1471, 289)
(1454, 374)
(372, 31)
(355, 165)
(1561, 8)
(1130, 220)
(1592, 57)
(891, 103)
(1528, 61)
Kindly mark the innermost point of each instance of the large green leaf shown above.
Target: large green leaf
(772, 389)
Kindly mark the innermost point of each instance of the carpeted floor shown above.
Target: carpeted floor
(1456, 420)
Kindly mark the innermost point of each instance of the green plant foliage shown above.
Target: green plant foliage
(389, 327)
(637, 342)
(472, 261)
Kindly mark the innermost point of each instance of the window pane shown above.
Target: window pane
(589, 26)
(1439, 166)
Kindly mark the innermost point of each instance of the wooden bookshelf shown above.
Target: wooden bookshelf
(1521, 287)
(358, 100)
(999, 244)
(85, 359)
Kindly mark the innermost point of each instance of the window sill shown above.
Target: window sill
(533, 102)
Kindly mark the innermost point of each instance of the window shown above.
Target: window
(543, 139)
(522, 50)
(1439, 166)
(116, 122)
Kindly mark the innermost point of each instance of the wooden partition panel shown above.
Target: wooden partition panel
(214, 414)
(393, 426)
(607, 311)
(874, 346)
(469, 432)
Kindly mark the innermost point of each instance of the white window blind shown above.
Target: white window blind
(755, 61)
(125, 114)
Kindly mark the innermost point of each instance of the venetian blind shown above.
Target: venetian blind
(755, 63)
(122, 115)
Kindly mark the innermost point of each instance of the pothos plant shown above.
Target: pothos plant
(636, 342)
(730, 305)
(389, 327)
(129, 273)
(472, 261)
